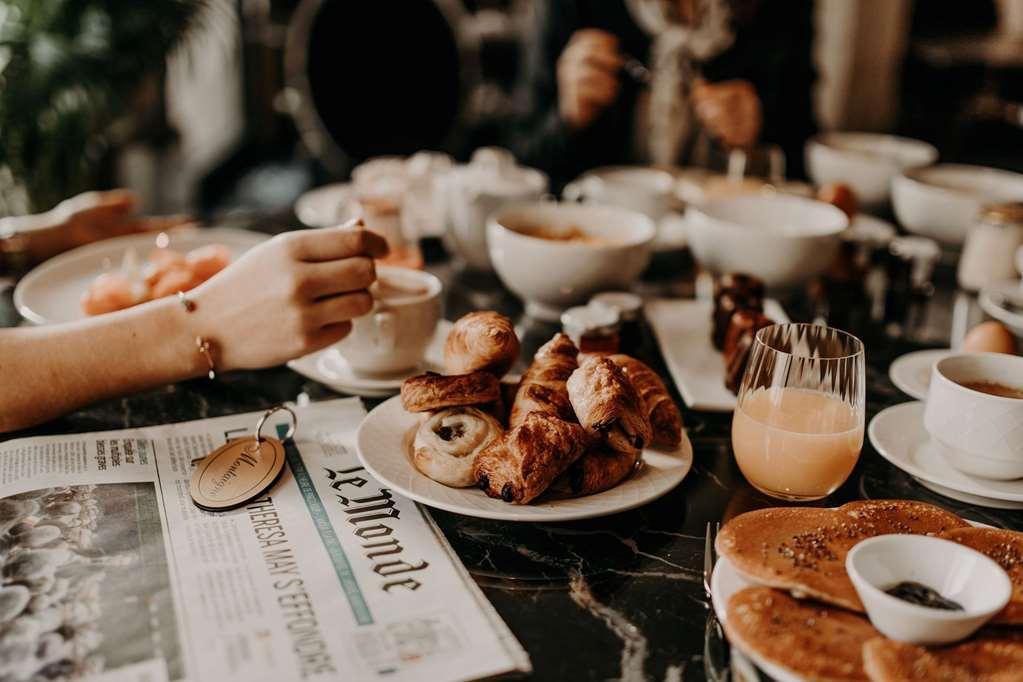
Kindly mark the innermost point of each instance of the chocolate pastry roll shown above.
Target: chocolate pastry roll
(448, 442)
(481, 341)
(734, 292)
(724, 307)
(608, 406)
(739, 342)
(430, 391)
(665, 418)
(542, 388)
(745, 286)
(600, 469)
(521, 466)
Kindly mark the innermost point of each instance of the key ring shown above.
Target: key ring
(267, 415)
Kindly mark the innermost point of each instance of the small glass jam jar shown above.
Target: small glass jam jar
(990, 248)
(629, 307)
(593, 329)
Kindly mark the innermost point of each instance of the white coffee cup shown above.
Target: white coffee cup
(650, 191)
(981, 433)
(394, 336)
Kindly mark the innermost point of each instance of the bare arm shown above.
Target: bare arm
(289, 296)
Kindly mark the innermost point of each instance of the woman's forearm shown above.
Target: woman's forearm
(48, 371)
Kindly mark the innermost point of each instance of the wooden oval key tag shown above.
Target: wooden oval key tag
(239, 470)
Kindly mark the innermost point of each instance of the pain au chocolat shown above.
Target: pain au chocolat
(813, 641)
(429, 392)
(803, 549)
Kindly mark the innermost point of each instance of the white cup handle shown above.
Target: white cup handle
(385, 330)
(583, 189)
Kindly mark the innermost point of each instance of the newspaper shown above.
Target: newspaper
(111, 573)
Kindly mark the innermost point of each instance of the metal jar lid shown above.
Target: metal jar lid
(629, 306)
(587, 320)
(1009, 213)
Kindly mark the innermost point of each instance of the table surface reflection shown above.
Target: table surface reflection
(618, 597)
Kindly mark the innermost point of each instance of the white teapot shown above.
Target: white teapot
(471, 192)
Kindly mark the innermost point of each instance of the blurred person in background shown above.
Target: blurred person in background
(668, 82)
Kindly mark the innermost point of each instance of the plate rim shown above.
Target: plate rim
(906, 359)
(917, 472)
(86, 250)
(508, 512)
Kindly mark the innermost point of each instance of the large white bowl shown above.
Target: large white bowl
(784, 240)
(867, 162)
(551, 275)
(941, 202)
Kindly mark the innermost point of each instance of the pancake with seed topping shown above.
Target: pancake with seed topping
(1006, 548)
(811, 640)
(803, 549)
(992, 655)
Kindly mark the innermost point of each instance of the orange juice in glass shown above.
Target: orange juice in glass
(797, 430)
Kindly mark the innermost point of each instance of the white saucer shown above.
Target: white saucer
(911, 373)
(324, 206)
(330, 368)
(1004, 302)
(898, 434)
(383, 449)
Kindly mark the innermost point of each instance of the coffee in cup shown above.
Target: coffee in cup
(394, 336)
(975, 412)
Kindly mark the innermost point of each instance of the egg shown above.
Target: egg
(990, 337)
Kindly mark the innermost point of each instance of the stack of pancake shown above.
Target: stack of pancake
(805, 616)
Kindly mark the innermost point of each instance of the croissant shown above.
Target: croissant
(665, 418)
(521, 466)
(543, 385)
(481, 341)
(430, 391)
(599, 469)
(608, 406)
(448, 442)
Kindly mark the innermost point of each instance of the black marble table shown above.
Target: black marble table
(620, 597)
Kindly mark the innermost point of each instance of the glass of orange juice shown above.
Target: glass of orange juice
(797, 430)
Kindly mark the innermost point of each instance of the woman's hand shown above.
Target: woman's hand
(84, 219)
(287, 297)
(730, 110)
(588, 76)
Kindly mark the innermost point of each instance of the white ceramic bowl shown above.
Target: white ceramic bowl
(955, 571)
(941, 202)
(551, 275)
(981, 434)
(867, 162)
(783, 240)
(650, 191)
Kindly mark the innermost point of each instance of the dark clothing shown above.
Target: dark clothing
(772, 50)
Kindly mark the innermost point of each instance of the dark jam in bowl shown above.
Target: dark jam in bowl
(921, 595)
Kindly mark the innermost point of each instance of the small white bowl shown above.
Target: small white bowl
(867, 162)
(955, 571)
(941, 202)
(783, 240)
(551, 275)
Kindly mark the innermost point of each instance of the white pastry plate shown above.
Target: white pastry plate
(383, 449)
(324, 206)
(911, 373)
(51, 292)
(682, 328)
(724, 583)
(330, 368)
(898, 434)
(1004, 302)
